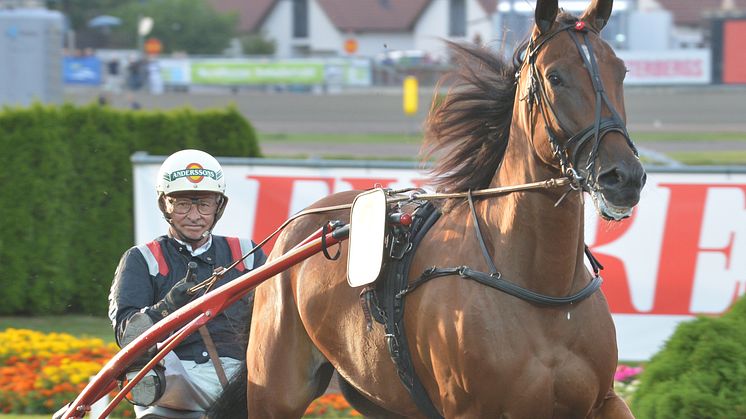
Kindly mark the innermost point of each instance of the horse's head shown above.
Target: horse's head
(572, 82)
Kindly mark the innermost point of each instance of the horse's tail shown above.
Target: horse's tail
(231, 404)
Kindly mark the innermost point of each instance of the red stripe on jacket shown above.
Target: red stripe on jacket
(155, 249)
(235, 244)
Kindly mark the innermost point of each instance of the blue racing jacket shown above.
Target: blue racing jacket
(147, 272)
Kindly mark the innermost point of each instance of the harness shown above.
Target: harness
(384, 301)
(386, 298)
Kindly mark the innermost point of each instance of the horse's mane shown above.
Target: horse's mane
(472, 122)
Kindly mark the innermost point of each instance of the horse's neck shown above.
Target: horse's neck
(529, 234)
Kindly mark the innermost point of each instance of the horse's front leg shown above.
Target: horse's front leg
(285, 371)
(613, 408)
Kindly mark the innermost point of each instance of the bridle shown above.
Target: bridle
(567, 153)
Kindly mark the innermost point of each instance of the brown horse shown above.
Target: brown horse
(478, 352)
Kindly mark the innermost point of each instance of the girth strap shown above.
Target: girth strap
(495, 281)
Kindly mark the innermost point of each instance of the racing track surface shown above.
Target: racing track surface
(379, 110)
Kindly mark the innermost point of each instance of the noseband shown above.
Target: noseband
(567, 153)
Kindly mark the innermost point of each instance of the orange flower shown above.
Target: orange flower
(38, 371)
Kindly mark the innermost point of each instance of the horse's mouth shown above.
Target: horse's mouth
(608, 211)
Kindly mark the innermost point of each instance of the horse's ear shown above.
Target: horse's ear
(597, 14)
(545, 14)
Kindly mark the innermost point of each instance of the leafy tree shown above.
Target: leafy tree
(258, 44)
(79, 12)
(191, 26)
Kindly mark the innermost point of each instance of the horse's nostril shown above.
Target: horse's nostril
(612, 177)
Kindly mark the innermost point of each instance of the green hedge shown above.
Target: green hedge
(66, 192)
(700, 372)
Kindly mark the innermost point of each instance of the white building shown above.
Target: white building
(304, 28)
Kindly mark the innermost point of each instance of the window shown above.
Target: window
(300, 18)
(457, 26)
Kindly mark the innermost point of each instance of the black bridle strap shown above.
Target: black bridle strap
(615, 122)
(577, 141)
(600, 127)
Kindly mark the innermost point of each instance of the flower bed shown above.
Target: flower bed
(626, 381)
(40, 372)
(331, 406)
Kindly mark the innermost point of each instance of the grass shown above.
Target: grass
(642, 137)
(725, 157)
(340, 138)
(710, 158)
(357, 138)
(76, 325)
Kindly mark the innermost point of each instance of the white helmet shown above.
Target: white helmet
(190, 170)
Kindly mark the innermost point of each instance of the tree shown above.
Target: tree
(79, 12)
(258, 44)
(192, 26)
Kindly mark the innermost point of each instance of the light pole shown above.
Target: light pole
(144, 26)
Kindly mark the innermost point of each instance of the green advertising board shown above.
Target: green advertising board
(224, 72)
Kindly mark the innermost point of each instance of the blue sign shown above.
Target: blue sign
(81, 70)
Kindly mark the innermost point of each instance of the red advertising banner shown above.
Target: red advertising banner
(734, 58)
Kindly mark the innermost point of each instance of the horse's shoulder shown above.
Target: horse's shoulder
(339, 198)
(303, 226)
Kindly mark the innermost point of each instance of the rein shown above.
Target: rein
(398, 197)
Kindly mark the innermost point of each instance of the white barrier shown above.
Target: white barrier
(682, 253)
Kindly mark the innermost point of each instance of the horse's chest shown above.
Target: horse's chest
(535, 365)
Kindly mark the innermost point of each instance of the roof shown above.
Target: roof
(693, 12)
(373, 15)
(489, 6)
(251, 12)
(346, 15)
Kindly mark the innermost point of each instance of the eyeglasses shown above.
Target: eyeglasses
(182, 206)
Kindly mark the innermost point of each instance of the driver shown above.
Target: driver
(150, 283)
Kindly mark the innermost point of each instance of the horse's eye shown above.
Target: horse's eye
(554, 79)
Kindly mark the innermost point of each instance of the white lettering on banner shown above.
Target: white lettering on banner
(682, 253)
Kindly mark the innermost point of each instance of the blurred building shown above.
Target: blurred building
(303, 28)
(30, 53)
(692, 19)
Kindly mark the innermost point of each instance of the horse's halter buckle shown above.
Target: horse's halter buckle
(567, 154)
